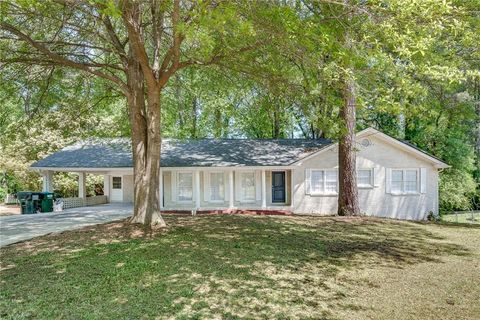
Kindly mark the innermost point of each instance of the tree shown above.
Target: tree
(362, 44)
(135, 46)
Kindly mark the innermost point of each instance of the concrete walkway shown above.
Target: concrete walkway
(23, 227)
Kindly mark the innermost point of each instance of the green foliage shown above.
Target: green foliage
(275, 70)
(46, 109)
(456, 189)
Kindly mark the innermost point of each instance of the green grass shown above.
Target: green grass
(232, 267)
(462, 217)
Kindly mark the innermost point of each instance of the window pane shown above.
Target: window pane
(411, 175)
(331, 181)
(397, 175)
(117, 182)
(410, 186)
(217, 186)
(316, 181)
(248, 186)
(397, 186)
(364, 177)
(185, 186)
(411, 181)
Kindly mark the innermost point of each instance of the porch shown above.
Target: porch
(200, 189)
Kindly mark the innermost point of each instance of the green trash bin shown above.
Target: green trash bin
(46, 202)
(28, 201)
(34, 202)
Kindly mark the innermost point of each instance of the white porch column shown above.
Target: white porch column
(47, 185)
(161, 189)
(197, 189)
(292, 190)
(230, 189)
(106, 186)
(82, 190)
(264, 189)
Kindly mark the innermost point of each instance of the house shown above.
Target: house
(395, 179)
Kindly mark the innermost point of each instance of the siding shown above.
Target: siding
(376, 201)
(128, 188)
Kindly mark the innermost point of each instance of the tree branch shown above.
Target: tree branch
(117, 44)
(173, 53)
(60, 60)
(131, 16)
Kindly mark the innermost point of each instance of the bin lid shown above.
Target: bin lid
(24, 194)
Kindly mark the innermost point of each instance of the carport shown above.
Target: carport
(111, 158)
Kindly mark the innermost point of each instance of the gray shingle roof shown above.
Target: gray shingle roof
(116, 153)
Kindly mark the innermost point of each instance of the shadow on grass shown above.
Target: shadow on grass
(211, 266)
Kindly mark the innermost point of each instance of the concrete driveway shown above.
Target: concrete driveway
(23, 227)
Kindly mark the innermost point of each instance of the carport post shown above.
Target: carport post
(197, 190)
(106, 186)
(47, 185)
(82, 190)
(161, 189)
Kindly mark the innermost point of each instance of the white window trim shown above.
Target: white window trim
(405, 193)
(372, 179)
(324, 193)
(177, 196)
(209, 185)
(243, 200)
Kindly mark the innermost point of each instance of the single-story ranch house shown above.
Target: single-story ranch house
(395, 179)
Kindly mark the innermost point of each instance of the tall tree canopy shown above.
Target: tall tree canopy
(192, 69)
(134, 46)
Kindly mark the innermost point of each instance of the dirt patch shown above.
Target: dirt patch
(9, 210)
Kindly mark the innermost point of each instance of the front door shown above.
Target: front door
(117, 190)
(278, 186)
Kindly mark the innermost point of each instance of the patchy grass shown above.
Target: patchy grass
(232, 266)
(462, 217)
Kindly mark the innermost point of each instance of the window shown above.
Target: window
(116, 182)
(323, 181)
(217, 186)
(404, 181)
(365, 178)
(248, 186)
(185, 186)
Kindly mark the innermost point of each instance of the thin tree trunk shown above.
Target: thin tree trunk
(276, 122)
(218, 124)
(194, 134)
(348, 194)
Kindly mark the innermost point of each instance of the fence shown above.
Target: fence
(80, 202)
(10, 199)
(463, 217)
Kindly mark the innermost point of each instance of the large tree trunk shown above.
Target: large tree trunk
(348, 193)
(476, 95)
(146, 148)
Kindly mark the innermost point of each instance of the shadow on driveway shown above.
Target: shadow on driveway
(23, 227)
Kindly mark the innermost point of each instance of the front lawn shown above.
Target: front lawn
(238, 266)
